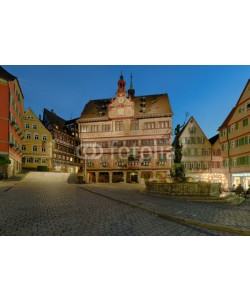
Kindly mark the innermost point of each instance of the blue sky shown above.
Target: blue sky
(206, 92)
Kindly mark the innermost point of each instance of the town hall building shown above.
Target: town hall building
(126, 138)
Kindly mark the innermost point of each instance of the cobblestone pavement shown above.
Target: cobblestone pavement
(224, 215)
(45, 204)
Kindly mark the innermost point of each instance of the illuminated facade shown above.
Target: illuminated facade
(201, 157)
(235, 141)
(37, 144)
(127, 138)
(66, 143)
(11, 126)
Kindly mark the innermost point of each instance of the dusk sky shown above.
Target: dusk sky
(206, 92)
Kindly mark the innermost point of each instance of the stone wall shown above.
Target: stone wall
(185, 188)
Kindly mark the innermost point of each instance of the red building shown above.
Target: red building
(11, 127)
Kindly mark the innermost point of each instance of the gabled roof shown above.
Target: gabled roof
(230, 115)
(213, 139)
(6, 75)
(157, 104)
(228, 118)
(9, 77)
(184, 127)
(53, 118)
(243, 92)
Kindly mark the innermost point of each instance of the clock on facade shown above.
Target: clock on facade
(120, 99)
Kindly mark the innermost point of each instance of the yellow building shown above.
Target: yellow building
(235, 141)
(127, 138)
(37, 144)
(201, 157)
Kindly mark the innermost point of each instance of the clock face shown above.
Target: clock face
(120, 99)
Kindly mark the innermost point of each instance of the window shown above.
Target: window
(162, 156)
(29, 160)
(43, 160)
(34, 126)
(106, 128)
(146, 156)
(248, 106)
(34, 148)
(23, 147)
(84, 128)
(232, 128)
(104, 144)
(216, 152)
(119, 126)
(149, 125)
(134, 125)
(192, 130)
(160, 142)
(163, 124)
(117, 144)
(94, 128)
(191, 166)
(245, 122)
(131, 143)
(43, 149)
(36, 136)
(27, 126)
(44, 137)
(206, 152)
(36, 160)
(147, 142)
(28, 136)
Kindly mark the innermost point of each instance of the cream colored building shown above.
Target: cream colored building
(37, 144)
(201, 157)
(127, 138)
(235, 141)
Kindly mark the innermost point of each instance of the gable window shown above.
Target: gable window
(28, 136)
(245, 122)
(192, 130)
(36, 136)
(34, 126)
(44, 137)
(27, 126)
